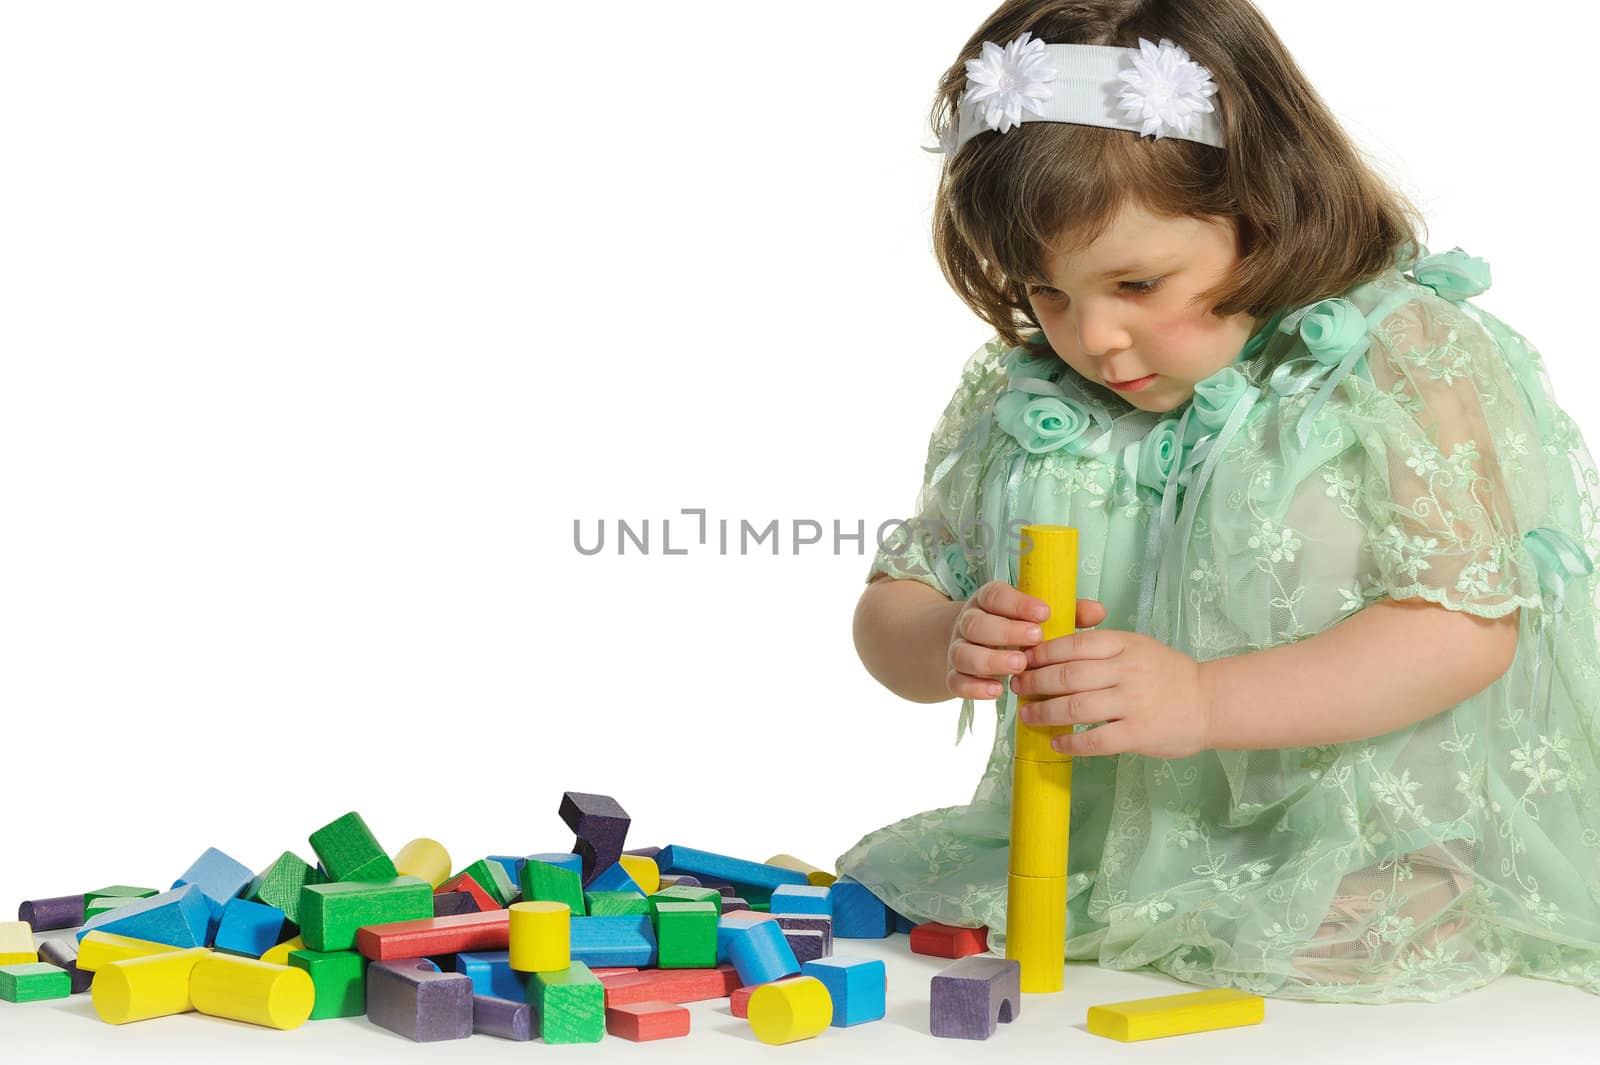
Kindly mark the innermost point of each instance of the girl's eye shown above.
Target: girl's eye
(1143, 286)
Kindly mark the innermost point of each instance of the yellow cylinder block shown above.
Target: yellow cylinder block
(541, 937)
(783, 1011)
(1036, 929)
(99, 949)
(257, 992)
(425, 859)
(1041, 782)
(137, 989)
(279, 955)
(644, 871)
(814, 876)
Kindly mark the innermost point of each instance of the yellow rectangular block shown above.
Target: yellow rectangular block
(1153, 1018)
(16, 943)
(1041, 810)
(98, 949)
(19, 957)
(1036, 929)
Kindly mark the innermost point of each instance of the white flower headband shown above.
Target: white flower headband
(1162, 91)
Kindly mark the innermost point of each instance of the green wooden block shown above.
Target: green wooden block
(686, 935)
(108, 902)
(279, 885)
(570, 1003)
(543, 882)
(686, 894)
(340, 980)
(33, 982)
(616, 903)
(349, 851)
(491, 876)
(331, 913)
(119, 891)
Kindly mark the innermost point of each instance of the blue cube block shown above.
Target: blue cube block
(857, 912)
(856, 985)
(573, 862)
(613, 942)
(492, 975)
(178, 918)
(219, 876)
(614, 878)
(249, 928)
(758, 949)
(801, 898)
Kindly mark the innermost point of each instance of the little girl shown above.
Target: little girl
(1334, 680)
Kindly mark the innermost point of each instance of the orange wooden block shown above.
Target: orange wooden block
(739, 1001)
(670, 985)
(435, 935)
(639, 1021)
(466, 883)
(946, 941)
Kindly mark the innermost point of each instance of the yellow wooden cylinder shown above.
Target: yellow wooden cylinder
(279, 955)
(783, 1011)
(643, 871)
(98, 949)
(1041, 781)
(541, 937)
(425, 859)
(137, 989)
(1036, 929)
(250, 990)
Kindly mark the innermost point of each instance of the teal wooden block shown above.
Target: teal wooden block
(801, 898)
(248, 928)
(348, 850)
(545, 882)
(613, 942)
(33, 982)
(857, 987)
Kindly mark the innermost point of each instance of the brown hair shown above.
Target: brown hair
(1312, 217)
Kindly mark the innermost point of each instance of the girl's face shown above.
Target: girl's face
(1119, 310)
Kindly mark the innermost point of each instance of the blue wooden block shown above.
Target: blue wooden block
(249, 928)
(902, 924)
(856, 985)
(800, 898)
(564, 859)
(491, 975)
(512, 863)
(213, 919)
(614, 878)
(703, 864)
(612, 942)
(179, 918)
(219, 876)
(757, 949)
(857, 912)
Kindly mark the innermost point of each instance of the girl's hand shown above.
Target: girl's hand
(1153, 697)
(992, 626)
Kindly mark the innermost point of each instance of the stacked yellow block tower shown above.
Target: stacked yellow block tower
(1041, 782)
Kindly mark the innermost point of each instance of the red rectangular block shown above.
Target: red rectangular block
(598, 973)
(739, 1001)
(466, 883)
(639, 1021)
(946, 941)
(670, 985)
(435, 935)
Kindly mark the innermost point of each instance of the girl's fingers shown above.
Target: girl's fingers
(1084, 708)
(1067, 678)
(1090, 612)
(968, 687)
(1115, 738)
(980, 661)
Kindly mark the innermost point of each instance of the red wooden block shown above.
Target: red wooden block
(639, 1021)
(946, 941)
(670, 985)
(435, 935)
(466, 883)
(598, 973)
(739, 1001)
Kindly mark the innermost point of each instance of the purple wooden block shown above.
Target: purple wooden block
(450, 903)
(63, 954)
(601, 825)
(814, 922)
(806, 944)
(734, 903)
(974, 995)
(502, 1017)
(415, 999)
(44, 915)
(681, 881)
(644, 852)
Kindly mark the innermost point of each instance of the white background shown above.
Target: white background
(321, 324)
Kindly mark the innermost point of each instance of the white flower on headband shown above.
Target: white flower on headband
(1166, 90)
(1004, 82)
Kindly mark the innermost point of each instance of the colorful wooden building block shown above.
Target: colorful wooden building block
(44, 915)
(481, 898)
(512, 864)
(252, 991)
(348, 850)
(573, 863)
(739, 1001)
(414, 999)
(502, 1018)
(642, 870)
(601, 825)
(544, 881)
(491, 875)
(137, 989)
(1164, 1015)
(902, 924)
(800, 898)
(746, 874)
(947, 941)
(857, 912)
(686, 935)
(180, 917)
(629, 940)
(686, 893)
(63, 954)
(806, 944)
(279, 884)
(970, 998)
(540, 936)
(425, 859)
(570, 1004)
(339, 978)
(94, 909)
(33, 982)
(615, 877)
(808, 922)
(16, 943)
(492, 975)
(331, 913)
(218, 876)
(616, 903)
(451, 903)
(670, 985)
(642, 1021)
(428, 936)
(814, 876)
(757, 949)
(98, 949)
(117, 891)
(279, 955)
(248, 928)
(783, 1011)
(858, 987)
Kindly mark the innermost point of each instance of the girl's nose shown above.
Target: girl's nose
(1099, 332)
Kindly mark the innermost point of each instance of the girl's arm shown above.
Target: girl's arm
(1391, 664)
(902, 634)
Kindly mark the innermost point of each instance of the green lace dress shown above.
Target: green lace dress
(1396, 441)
